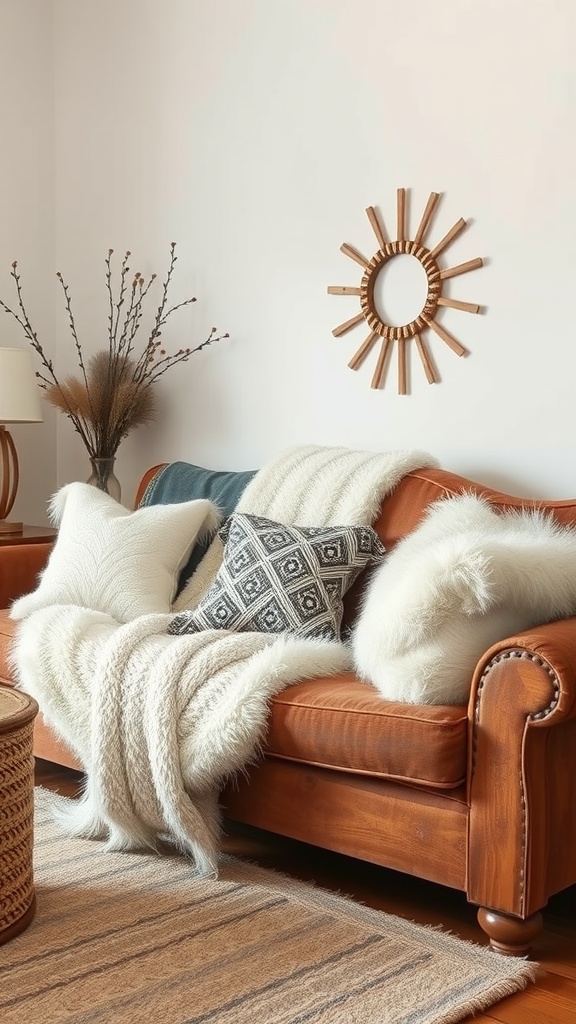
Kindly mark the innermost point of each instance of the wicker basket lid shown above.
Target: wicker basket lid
(16, 709)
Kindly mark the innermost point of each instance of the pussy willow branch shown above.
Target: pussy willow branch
(108, 423)
(30, 333)
(72, 325)
(179, 357)
(132, 327)
(29, 330)
(115, 307)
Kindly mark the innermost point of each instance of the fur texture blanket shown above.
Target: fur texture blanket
(160, 721)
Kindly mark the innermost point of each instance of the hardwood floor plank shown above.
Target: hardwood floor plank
(557, 950)
(551, 1001)
(483, 1018)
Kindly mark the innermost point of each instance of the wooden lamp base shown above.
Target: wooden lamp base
(9, 477)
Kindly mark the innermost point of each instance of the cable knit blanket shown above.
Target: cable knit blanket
(314, 486)
(159, 721)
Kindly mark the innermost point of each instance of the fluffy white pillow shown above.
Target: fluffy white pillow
(115, 561)
(464, 579)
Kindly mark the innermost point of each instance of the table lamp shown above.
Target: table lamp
(19, 403)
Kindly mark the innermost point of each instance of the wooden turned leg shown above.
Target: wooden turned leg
(510, 935)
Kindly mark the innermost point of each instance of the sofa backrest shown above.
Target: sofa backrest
(405, 508)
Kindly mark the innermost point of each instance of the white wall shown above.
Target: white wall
(255, 133)
(27, 218)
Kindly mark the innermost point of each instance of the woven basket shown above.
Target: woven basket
(17, 902)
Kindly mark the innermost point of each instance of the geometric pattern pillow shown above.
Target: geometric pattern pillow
(276, 578)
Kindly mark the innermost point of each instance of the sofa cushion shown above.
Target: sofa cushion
(276, 578)
(341, 722)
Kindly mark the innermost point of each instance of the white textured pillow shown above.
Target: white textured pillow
(115, 561)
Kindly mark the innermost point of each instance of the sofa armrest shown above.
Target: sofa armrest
(554, 645)
(522, 750)
(20, 565)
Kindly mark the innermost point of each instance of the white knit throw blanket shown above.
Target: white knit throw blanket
(160, 721)
(314, 486)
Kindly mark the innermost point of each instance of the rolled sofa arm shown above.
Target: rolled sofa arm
(522, 752)
(20, 566)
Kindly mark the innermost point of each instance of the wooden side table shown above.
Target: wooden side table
(28, 535)
(17, 898)
(22, 556)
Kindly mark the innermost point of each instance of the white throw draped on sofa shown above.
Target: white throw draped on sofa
(159, 721)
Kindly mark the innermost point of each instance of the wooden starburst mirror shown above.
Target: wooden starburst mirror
(426, 320)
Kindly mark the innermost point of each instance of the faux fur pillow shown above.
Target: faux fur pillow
(276, 578)
(111, 560)
(464, 579)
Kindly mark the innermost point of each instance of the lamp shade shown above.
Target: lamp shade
(19, 399)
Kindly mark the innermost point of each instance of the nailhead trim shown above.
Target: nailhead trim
(536, 716)
(528, 656)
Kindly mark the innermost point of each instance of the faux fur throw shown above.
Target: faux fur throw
(159, 721)
(464, 579)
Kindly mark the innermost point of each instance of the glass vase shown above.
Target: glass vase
(103, 477)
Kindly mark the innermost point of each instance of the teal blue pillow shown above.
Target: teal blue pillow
(183, 481)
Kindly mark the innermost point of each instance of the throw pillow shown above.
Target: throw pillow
(464, 579)
(181, 481)
(276, 578)
(112, 560)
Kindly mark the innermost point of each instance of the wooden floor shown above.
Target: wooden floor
(551, 1001)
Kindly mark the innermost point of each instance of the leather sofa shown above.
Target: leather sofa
(478, 797)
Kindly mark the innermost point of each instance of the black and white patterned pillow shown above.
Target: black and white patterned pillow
(277, 579)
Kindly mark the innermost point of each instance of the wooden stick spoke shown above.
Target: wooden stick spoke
(449, 237)
(447, 337)
(347, 325)
(401, 213)
(380, 370)
(353, 253)
(343, 289)
(402, 366)
(426, 360)
(377, 226)
(427, 217)
(363, 351)
(468, 307)
(462, 268)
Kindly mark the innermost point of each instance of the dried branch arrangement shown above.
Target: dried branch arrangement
(114, 390)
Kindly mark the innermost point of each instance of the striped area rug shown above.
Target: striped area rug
(123, 938)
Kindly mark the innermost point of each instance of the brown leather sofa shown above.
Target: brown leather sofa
(479, 797)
